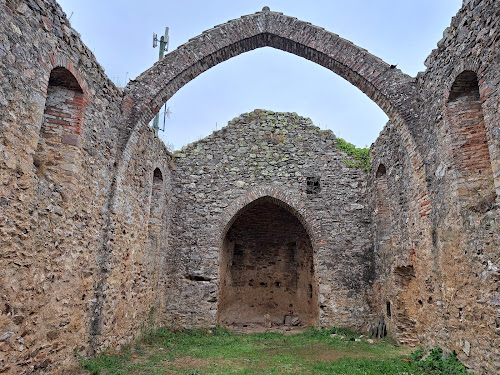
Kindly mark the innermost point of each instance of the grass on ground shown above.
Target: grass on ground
(220, 352)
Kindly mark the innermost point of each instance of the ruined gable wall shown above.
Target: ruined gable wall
(268, 154)
(453, 294)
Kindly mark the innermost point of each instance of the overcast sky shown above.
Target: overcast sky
(401, 32)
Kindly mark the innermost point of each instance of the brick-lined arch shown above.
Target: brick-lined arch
(470, 156)
(60, 61)
(485, 88)
(391, 89)
(60, 71)
(57, 156)
(291, 201)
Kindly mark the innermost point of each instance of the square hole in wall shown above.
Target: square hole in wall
(313, 185)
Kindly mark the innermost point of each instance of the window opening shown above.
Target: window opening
(313, 185)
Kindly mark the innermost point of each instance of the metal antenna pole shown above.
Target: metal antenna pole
(161, 53)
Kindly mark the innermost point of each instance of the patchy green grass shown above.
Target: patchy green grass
(219, 352)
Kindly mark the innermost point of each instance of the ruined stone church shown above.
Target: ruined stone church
(266, 221)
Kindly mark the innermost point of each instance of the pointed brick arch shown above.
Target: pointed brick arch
(392, 90)
(290, 201)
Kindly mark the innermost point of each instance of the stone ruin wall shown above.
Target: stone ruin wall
(462, 128)
(451, 293)
(52, 215)
(133, 261)
(395, 221)
(462, 145)
(59, 288)
(90, 253)
(266, 154)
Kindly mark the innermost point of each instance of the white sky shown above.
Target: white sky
(401, 32)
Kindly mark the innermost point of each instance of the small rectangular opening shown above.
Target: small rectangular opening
(313, 185)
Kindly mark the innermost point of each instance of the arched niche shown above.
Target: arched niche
(156, 202)
(57, 157)
(266, 269)
(382, 211)
(470, 156)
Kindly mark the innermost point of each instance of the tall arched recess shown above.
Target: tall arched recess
(470, 154)
(392, 90)
(58, 155)
(266, 268)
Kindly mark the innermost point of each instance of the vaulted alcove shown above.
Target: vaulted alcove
(266, 269)
(382, 219)
(156, 203)
(58, 156)
(469, 148)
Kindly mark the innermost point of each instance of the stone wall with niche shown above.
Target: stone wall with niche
(437, 269)
(460, 121)
(285, 157)
(58, 129)
(74, 270)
